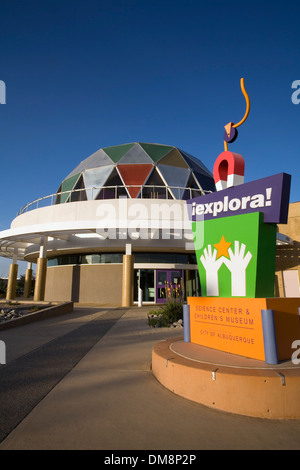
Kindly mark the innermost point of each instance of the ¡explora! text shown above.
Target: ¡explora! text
(231, 205)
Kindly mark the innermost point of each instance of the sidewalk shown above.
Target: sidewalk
(103, 394)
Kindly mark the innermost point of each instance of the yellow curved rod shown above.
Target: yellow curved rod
(247, 104)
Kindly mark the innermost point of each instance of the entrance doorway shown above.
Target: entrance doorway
(144, 279)
(168, 284)
(158, 284)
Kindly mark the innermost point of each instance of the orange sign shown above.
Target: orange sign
(233, 325)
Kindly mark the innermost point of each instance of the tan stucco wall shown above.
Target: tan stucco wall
(292, 228)
(59, 283)
(101, 283)
(288, 256)
(86, 284)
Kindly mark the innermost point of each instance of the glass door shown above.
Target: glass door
(144, 279)
(161, 284)
(168, 284)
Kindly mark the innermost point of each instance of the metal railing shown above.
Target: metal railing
(113, 192)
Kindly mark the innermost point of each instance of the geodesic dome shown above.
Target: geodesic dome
(137, 170)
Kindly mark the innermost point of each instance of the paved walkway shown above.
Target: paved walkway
(84, 381)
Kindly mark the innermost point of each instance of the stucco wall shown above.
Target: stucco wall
(59, 283)
(288, 256)
(100, 284)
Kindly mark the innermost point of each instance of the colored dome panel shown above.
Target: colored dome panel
(176, 178)
(156, 151)
(195, 164)
(174, 158)
(136, 155)
(134, 176)
(205, 181)
(67, 186)
(118, 151)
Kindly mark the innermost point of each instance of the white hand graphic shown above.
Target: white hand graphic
(237, 265)
(211, 266)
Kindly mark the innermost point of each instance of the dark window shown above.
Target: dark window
(117, 258)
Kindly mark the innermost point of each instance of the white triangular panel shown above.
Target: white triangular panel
(96, 178)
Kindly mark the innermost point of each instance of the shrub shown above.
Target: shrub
(171, 311)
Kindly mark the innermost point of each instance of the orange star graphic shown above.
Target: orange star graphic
(222, 248)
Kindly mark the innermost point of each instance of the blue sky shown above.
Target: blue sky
(86, 74)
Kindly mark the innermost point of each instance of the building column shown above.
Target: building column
(12, 278)
(127, 284)
(28, 279)
(41, 269)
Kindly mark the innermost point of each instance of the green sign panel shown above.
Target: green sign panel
(236, 256)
